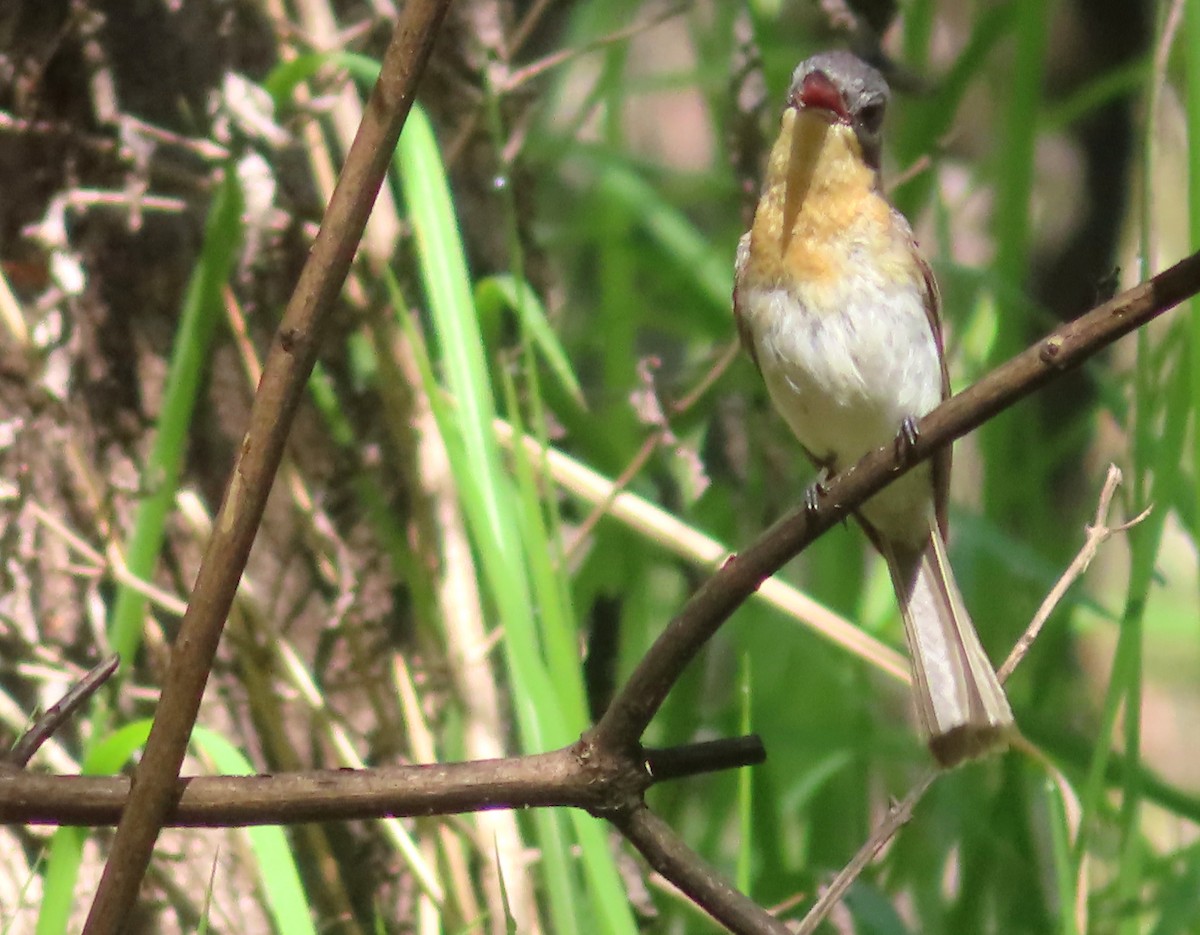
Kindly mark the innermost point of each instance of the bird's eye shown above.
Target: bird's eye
(871, 117)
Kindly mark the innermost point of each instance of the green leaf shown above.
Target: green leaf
(494, 293)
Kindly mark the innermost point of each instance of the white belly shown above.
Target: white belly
(844, 382)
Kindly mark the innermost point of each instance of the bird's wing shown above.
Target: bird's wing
(739, 317)
(933, 306)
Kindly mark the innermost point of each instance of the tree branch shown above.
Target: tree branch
(577, 776)
(667, 854)
(706, 757)
(59, 713)
(287, 368)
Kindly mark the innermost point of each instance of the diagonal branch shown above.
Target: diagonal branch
(667, 853)
(286, 371)
(1061, 350)
(1098, 533)
(59, 713)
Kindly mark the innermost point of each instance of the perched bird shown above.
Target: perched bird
(839, 311)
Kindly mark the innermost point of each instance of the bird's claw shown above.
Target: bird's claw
(906, 440)
(814, 492)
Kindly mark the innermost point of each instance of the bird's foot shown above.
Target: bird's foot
(906, 440)
(815, 491)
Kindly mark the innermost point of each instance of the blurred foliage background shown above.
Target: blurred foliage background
(555, 250)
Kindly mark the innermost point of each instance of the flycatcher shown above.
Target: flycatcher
(839, 311)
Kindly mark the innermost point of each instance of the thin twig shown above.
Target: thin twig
(57, 714)
(897, 817)
(523, 75)
(512, 80)
(705, 757)
(113, 563)
(527, 25)
(714, 373)
(1097, 534)
(604, 506)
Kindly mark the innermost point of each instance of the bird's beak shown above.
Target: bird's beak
(798, 166)
(818, 93)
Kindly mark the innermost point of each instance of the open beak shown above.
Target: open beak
(818, 92)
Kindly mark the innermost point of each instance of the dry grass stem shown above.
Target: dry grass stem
(688, 543)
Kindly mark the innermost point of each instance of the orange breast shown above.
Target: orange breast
(820, 207)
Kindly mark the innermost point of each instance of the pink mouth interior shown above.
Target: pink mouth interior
(820, 93)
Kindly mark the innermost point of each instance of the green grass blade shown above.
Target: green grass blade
(63, 858)
(198, 321)
(496, 292)
(282, 887)
(496, 515)
(1192, 115)
(106, 757)
(1180, 900)
(1145, 544)
(532, 690)
(1059, 833)
(1145, 540)
(745, 790)
(680, 242)
(189, 358)
(560, 640)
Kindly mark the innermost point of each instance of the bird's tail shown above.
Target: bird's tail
(962, 706)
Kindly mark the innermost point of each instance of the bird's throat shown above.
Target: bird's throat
(818, 190)
(804, 148)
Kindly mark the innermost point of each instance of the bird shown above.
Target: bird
(841, 315)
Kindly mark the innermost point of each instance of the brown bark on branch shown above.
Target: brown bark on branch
(578, 776)
(287, 369)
